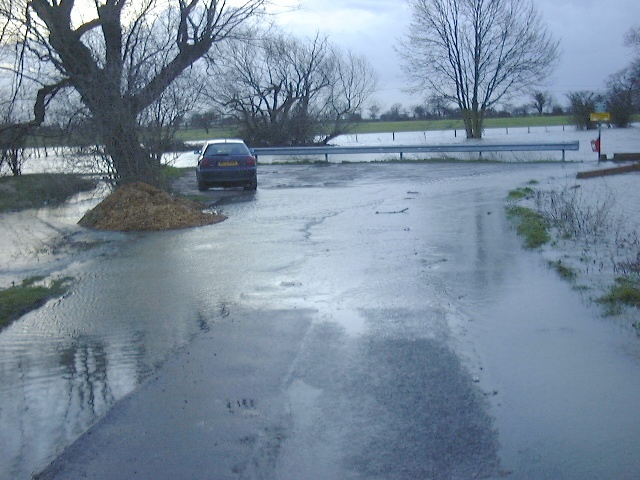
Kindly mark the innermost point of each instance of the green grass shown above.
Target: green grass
(520, 193)
(531, 225)
(626, 290)
(169, 174)
(399, 126)
(428, 125)
(32, 293)
(200, 134)
(37, 190)
(565, 272)
(46, 189)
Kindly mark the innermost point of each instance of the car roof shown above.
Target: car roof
(224, 140)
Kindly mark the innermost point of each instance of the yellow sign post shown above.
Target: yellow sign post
(600, 117)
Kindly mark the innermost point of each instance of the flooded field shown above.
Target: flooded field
(366, 257)
(613, 141)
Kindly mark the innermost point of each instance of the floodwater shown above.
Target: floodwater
(613, 140)
(397, 268)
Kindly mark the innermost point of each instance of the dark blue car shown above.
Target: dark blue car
(226, 163)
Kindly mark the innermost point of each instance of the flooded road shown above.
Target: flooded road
(346, 321)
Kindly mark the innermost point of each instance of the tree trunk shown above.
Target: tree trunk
(132, 161)
(473, 123)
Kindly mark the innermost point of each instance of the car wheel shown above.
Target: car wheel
(252, 186)
(202, 186)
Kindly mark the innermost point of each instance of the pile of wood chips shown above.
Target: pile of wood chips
(141, 207)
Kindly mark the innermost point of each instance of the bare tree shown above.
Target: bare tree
(160, 121)
(269, 85)
(121, 56)
(419, 112)
(24, 97)
(583, 104)
(287, 91)
(476, 53)
(204, 120)
(354, 81)
(540, 101)
(623, 87)
(395, 113)
(620, 97)
(16, 127)
(438, 106)
(374, 110)
(632, 38)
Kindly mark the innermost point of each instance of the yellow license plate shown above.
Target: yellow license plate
(227, 164)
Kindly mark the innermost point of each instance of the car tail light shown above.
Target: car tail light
(206, 162)
(250, 161)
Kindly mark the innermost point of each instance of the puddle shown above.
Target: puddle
(564, 402)
(64, 365)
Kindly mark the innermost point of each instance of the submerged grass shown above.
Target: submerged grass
(520, 193)
(531, 225)
(40, 189)
(626, 290)
(31, 294)
(563, 270)
(569, 214)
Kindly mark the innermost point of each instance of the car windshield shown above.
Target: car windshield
(226, 149)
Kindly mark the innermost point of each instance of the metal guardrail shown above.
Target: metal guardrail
(402, 149)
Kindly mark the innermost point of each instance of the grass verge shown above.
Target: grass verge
(564, 271)
(40, 189)
(520, 193)
(626, 290)
(531, 225)
(567, 214)
(32, 293)
(169, 174)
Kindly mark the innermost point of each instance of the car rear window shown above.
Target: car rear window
(226, 149)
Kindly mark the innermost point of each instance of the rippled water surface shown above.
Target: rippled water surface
(137, 298)
(64, 365)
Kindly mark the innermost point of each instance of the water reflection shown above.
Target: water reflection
(62, 367)
(84, 364)
(54, 388)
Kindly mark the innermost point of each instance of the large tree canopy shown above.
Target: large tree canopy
(475, 53)
(289, 91)
(120, 56)
(623, 87)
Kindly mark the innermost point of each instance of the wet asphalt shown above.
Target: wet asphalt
(367, 322)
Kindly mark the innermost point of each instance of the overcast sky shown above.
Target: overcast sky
(590, 33)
